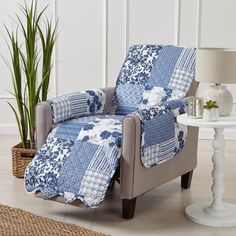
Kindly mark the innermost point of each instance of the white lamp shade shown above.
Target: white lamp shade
(216, 66)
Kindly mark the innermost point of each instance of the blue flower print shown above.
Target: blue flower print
(105, 134)
(118, 142)
(168, 93)
(90, 92)
(181, 110)
(95, 99)
(116, 134)
(180, 136)
(148, 87)
(99, 105)
(181, 145)
(92, 108)
(112, 144)
(88, 126)
(145, 101)
(85, 138)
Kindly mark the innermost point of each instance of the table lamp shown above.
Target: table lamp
(217, 66)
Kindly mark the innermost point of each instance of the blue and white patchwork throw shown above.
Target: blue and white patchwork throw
(78, 160)
(162, 137)
(82, 152)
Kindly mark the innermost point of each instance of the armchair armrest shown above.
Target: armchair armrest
(77, 104)
(45, 118)
(130, 153)
(43, 122)
(135, 179)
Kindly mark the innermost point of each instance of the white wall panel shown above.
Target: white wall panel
(7, 118)
(8, 12)
(116, 38)
(151, 21)
(218, 21)
(80, 46)
(188, 27)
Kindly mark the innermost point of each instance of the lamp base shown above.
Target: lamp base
(222, 96)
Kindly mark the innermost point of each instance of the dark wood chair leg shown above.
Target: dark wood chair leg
(186, 180)
(128, 208)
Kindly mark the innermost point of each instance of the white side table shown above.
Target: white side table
(217, 212)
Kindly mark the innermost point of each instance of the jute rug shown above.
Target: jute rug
(17, 222)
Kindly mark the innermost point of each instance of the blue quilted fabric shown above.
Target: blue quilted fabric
(81, 154)
(162, 137)
(161, 73)
(78, 165)
(77, 104)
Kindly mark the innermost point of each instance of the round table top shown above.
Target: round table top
(223, 122)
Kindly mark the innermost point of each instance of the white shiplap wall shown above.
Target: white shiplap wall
(94, 36)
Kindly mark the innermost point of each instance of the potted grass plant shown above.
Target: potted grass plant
(30, 66)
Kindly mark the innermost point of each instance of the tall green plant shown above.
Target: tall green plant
(21, 117)
(48, 42)
(25, 62)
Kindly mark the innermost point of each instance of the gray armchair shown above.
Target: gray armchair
(135, 179)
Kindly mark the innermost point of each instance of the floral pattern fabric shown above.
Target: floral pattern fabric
(79, 166)
(77, 104)
(152, 74)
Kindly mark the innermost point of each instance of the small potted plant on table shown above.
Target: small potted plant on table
(211, 111)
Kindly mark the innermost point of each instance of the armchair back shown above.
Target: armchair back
(152, 74)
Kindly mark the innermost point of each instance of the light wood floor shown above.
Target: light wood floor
(159, 212)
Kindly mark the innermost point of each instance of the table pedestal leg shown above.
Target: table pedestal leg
(216, 213)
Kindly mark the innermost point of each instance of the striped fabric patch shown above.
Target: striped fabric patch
(78, 103)
(164, 66)
(105, 159)
(187, 59)
(167, 150)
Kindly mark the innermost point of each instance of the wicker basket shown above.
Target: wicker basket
(21, 157)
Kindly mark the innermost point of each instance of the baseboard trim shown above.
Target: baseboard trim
(207, 133)
(8, 129)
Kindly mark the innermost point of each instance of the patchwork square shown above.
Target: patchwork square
(129, 94)
(164, 66)
(154, 96)
(159, 129)
(151, 155)
(61, 109)
(187, 59)
(181, 82)
(167, 150)
(94, 186)
(69, 130)
(105, 159)
(75, 167)
(138, 64)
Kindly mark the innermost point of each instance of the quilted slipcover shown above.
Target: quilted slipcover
(81, 154)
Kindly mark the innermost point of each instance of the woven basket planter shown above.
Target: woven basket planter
(21, 157)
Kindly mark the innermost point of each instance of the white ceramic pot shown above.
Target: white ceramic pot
(211, 114)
